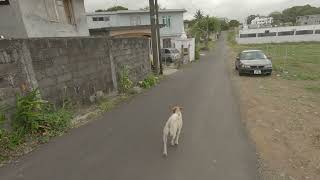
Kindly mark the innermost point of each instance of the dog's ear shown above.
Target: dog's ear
(181, 108)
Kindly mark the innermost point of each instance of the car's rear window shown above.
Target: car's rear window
(252, 55)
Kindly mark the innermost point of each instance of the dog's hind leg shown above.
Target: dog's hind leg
(178, 136)
(173, 139)
(165, 137)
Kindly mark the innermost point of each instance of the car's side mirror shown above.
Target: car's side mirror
(238, 58)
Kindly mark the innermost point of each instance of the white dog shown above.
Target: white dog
(173, 128)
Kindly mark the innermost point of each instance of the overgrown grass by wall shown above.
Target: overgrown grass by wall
(33, 121)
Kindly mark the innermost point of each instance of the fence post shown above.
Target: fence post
(286, 58)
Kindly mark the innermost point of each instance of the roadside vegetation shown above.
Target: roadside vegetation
(35, 121)
(282, 112)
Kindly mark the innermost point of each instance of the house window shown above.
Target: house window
(286, 33)
(135, 20)
(166, 21)
(65, 11)
(101, 18)
(166, 43)
(302, 32)
(60, 11)
(317, 31)
(51, 10)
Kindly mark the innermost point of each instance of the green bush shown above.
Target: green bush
(38, 118)
(124, 82)
(149, 82)
(197, 53)
(33, 118)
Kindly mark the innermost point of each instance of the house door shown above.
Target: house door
(166, 43)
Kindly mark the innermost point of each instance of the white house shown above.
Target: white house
(262, 21)
(171, 20)
(308, 20)
(42, 18)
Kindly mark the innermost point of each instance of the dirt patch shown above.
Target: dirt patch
(283, 119)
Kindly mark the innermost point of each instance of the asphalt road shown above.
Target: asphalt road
(126, 144)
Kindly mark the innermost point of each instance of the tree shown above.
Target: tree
(277, 18)
(114, 8)
(234, 23)
(224, 25)
(291, 14)
(204, 27)
(148, 8)
(198, 15)
(250, 18)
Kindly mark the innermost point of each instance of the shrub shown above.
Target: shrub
(197, 53)
(38, 118)
(33, 118)
(124, 81)
(149, 82)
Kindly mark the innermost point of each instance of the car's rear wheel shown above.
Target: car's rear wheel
(240, 73)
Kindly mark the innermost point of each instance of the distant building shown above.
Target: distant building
(137, 22)
(308, 20)
(262, 21)
(42, 18)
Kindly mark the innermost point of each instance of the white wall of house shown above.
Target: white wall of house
(279, 34)
(132, 18)
(308, 19)
(262, 20)
(44, 18)
(11, 23)
(186, 43)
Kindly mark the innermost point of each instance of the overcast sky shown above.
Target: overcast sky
(232, 9)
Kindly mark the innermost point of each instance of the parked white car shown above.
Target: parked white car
(170, 55)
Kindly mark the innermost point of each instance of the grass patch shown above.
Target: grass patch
(125, 84)
(294, 61)
(108, 104)
(149, 82)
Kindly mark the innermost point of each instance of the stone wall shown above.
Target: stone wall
(12, 74)
(69, 68)
(132, 54)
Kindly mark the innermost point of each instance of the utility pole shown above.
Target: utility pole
(154, 36)
(158, 35)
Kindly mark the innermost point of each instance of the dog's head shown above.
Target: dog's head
(176, 109)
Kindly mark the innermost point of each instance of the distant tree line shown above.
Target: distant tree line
(289, 15)
(114, 8)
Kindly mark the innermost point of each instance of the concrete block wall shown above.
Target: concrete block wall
(133, 53)
(72, 69)
(12, 73)
(69, 68)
